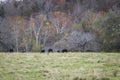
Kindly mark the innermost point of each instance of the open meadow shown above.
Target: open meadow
(62, 66)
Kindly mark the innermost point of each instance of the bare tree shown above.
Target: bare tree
(16, 23)
(80, 40)
(37, 24)
(61, 23)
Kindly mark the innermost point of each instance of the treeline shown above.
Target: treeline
(28, 7)
(75, 25)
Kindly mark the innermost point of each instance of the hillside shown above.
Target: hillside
(52, 25)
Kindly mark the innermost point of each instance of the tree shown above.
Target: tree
(48, 7)
(26, 37)
(37, 23)
(11, 8)
(111, 34)
(2, 11)
(106, 27)
(16, 23)
(5, 36)
(81, 41)
(61, 23)
(78, 41)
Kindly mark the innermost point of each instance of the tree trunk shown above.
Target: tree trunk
(17, 43)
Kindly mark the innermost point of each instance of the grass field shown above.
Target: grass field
(69, 66)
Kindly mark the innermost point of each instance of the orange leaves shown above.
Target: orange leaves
(16, 19)
(59, 15)
(37, 20)
(42, 17)
(60, 3)
(17, 24)
(32, 22)
(61, 18)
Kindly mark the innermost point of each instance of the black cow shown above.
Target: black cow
(89, 50)
(11, 50)
(50, 50)
(58, 51)
(42, 51)
(64, 50)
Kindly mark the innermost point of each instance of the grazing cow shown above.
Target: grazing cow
(42, 51)
(50, 50)
(58, 51)
(89, 50)
(64, 50)
(11, 50)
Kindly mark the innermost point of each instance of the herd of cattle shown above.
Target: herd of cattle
(51, 50)
(43, 51)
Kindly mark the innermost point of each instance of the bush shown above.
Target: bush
(110, 37)
(35, 47)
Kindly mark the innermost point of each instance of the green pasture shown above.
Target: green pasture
(60, 66)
